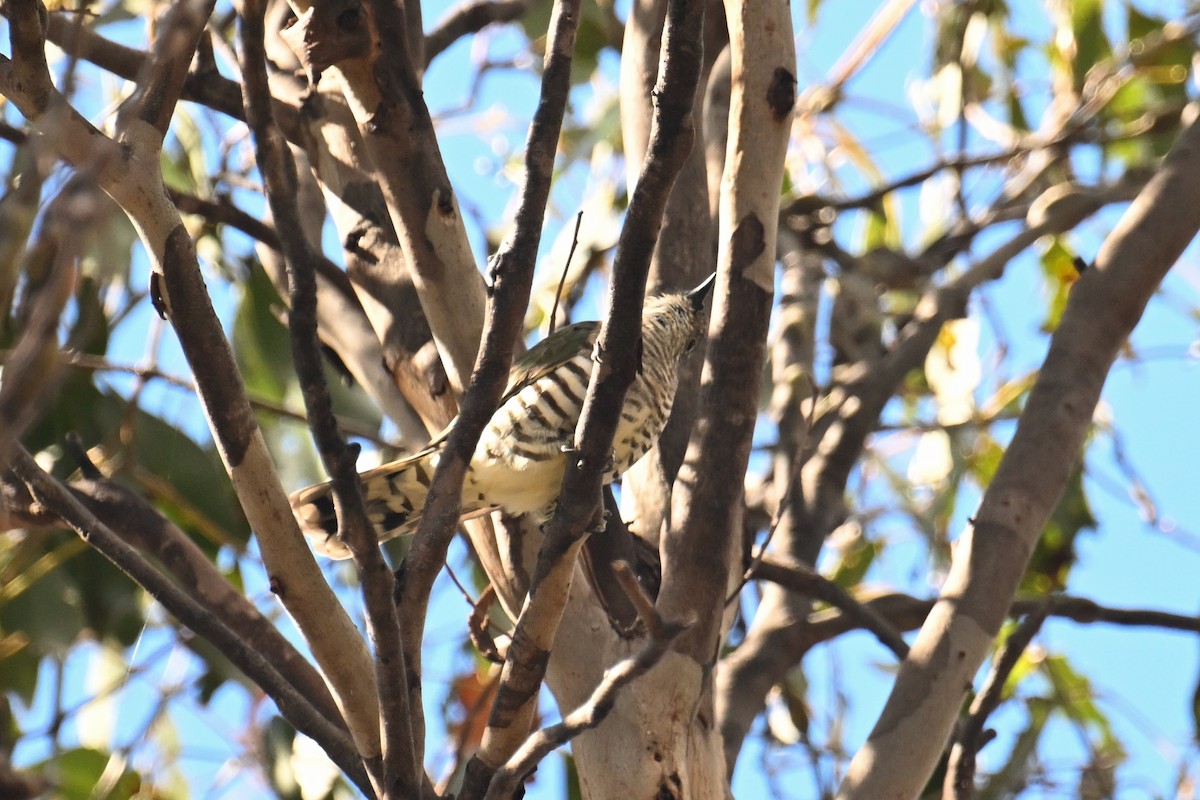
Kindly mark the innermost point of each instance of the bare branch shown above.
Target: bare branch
(384, 93)
(512, 278)
(160, 81)
(92, 363)
(131, 174)
(401, 765)
(470, 17)
(700, 551)
(992, 554)
(254, 663)
(136, 522)
(683, 253)
(806, 581)
(207, 87)
(906, 613)
(850, 414)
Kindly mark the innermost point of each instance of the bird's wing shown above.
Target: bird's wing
(549, 353)
(538, 360)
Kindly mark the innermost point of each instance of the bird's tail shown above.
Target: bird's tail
(394, 494)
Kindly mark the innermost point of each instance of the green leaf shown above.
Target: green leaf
(598, 29)
(856, 558)
(1091, 44)
(984, 459)
(260, 341)
(276, 749)
(218, 670)
(77, 773)
(1075, 696)
(1012, 777)
(1016, 113)
(1196, 711)
(187, 482)
(78, 407)
(1167, 64)
(571, 777)
(1054, 555)
(182, 158)
(794, 690)
(111, 604)
(90, 328)
(108, 244)
(50, 612)
(19, 670)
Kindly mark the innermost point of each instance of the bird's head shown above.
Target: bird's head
(677, 321)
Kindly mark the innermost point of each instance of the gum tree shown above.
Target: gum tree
(271, 198)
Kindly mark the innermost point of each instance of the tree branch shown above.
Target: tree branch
(208, 88)
(293, 705)
(851, 414)
(704, 542)
(960, 771)
(992, 554)
(159, 82)
(603, 697)
(139, 524)
(131, 174)
(578, 509)
(905, 612)
(345, 38)
(804, 580)
(470, 17)
(401, 774)
(512, 278)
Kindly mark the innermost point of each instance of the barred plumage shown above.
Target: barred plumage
(518, 464)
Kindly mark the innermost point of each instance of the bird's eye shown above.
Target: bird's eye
(687, 348)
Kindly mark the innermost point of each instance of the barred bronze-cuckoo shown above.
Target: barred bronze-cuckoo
(519, 461)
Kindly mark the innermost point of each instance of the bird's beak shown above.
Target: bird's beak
(701, 292)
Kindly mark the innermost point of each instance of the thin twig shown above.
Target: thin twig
(563, 279)
(93, 363)
(578, 509)
(209, 89)
(784, 506)
(800, 578)
(905, 612)
(470, 17)
(477, 627)
(225, 212)
(960, 772)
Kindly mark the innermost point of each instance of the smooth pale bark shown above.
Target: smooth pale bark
(992, 554)
(660, 738)
(359, 48)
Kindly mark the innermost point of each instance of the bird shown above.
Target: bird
(518, 464)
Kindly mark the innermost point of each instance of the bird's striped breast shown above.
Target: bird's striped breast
(519, 461)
